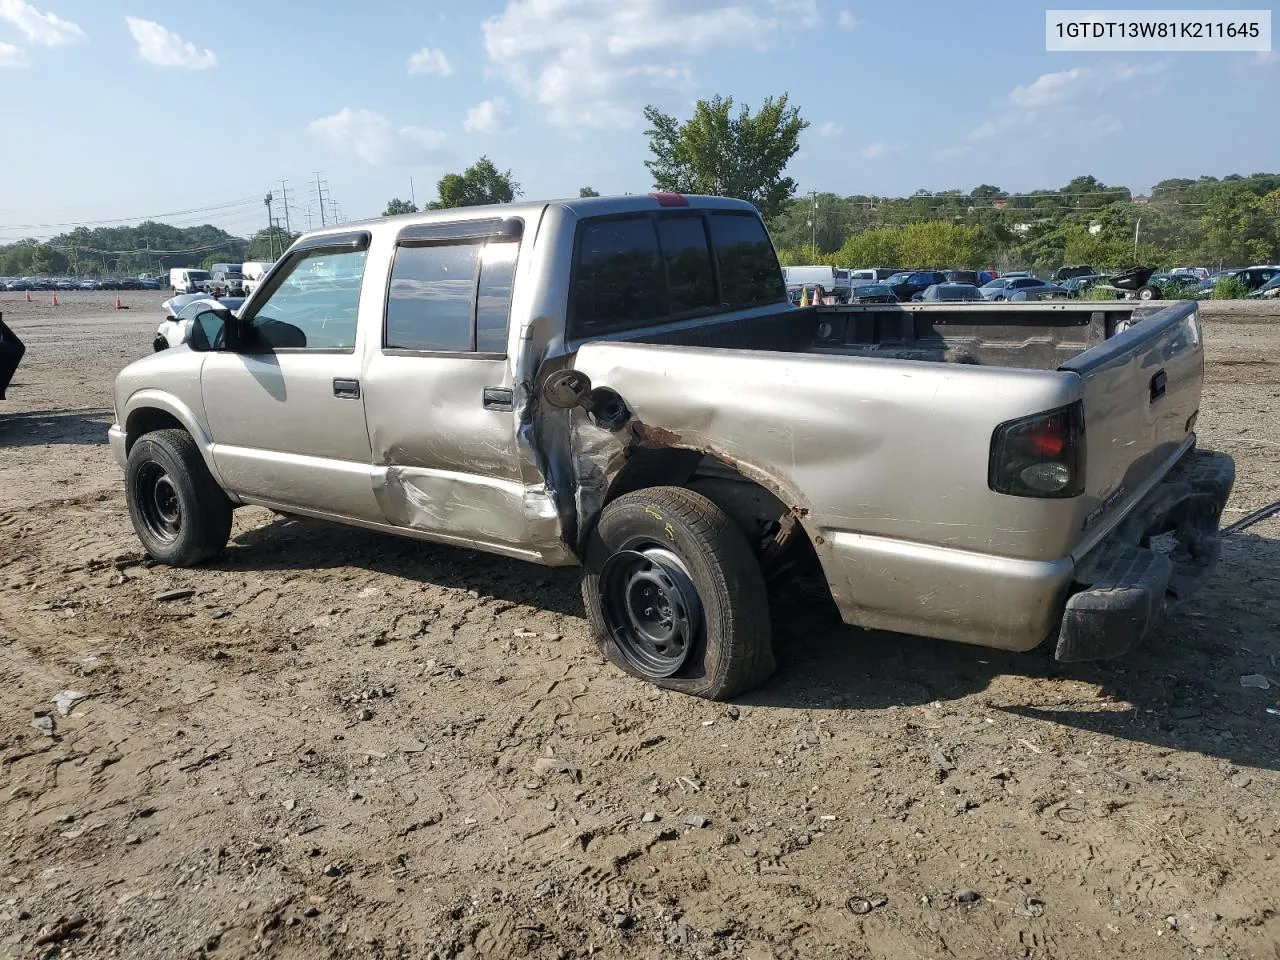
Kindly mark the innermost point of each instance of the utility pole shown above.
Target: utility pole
(320, 199)
(412, 199)
(1136, 227)
(813, 226)
(271, 229)
(284, 201)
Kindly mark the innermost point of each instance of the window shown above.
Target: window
(645, 269)
(749, 272)
(315, 307)
(690, 277)
(618, 278)
(451, 297)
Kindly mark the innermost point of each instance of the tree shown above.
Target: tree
(724, 154)
(269, 244)
(481, 183)
(587, 192)
(396, 206)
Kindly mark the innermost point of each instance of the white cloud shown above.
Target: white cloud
(11, 56)
(430, 62)
(872, 150)
(846, 20)
(594, 64)
(830, 129)
(375, 139)
(164, 48)
(44, 29)
(1071, 98)
(486, 117)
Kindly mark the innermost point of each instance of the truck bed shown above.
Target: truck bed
(1033, 336)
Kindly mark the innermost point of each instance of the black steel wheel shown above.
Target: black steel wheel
(179, 513)
(651, 608)
(675, 594)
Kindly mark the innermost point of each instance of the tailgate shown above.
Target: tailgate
(1141, 395)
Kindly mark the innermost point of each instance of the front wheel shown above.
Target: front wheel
(179, 513)
(675, 595)
(1148, 293)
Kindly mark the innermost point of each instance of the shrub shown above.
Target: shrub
(1230, 288)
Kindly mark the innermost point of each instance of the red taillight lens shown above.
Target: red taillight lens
(1041, 455)
(668, 199)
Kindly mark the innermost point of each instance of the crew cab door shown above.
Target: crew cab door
(439, 391)
(285, 405)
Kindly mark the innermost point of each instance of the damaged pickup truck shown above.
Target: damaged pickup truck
(622, 383)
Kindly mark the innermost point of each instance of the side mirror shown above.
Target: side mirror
(210, 329)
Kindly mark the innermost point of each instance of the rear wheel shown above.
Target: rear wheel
(179, 513)
(1148, 293)
(675, 594)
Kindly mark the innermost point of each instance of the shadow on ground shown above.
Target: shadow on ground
(1180, 692)
(42, 427)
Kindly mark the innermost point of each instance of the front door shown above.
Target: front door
(286, 407)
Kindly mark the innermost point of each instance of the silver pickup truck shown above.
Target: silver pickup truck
(622, 383)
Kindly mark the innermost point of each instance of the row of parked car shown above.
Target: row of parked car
(144, 282)
(832, 284)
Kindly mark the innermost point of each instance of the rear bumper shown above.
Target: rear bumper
(1128, 587)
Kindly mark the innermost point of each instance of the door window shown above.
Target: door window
(451, 297)
(315, 307)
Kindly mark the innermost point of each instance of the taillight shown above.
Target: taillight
(1041, 455)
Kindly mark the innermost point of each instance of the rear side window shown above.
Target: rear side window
(642, 270)
(618, 277)
(690, 276)
(749, 274)
(451, 297)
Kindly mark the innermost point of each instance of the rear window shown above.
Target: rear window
(645, 269)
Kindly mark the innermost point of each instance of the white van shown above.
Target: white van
(187, 280)
(828, 277)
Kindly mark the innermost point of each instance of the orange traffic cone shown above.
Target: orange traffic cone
(55, 299)
(28, 296)
(119, 305)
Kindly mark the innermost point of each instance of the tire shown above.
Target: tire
(158, 344)
(179, 513)
(1148, 293)
(706, 576)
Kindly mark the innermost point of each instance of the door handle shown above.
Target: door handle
(346, 389)
(499, 398)
(1158, 384)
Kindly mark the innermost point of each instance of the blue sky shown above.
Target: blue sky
(112, 110)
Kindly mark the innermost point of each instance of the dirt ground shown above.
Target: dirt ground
(332, 743)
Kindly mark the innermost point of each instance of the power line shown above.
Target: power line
(152, 216)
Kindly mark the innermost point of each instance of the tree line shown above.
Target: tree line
(729, 150)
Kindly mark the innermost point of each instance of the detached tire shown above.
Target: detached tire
(180, 514)
(675, 595)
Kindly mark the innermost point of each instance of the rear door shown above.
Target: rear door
(1141, 395)
(439, 391)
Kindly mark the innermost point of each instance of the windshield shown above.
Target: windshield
(898, 278)
(197, 274)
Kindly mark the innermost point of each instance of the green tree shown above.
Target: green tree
(396, 206)
(587, 192)
(481, 183)
(725, 154)
(269, 244)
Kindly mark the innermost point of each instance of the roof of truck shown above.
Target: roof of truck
(581, 206)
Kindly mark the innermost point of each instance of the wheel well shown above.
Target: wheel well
(771, 526)
(148, 420)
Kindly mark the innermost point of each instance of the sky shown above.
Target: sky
(114, 110)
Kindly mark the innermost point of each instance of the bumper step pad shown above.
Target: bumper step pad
(1128, 586)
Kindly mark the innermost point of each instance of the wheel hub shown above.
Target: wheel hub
(651, 609)
(158, 502)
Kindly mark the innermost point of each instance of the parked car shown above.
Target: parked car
(148, 283)
(1075, 270)
(19, 283)
(1256, 276)
(569, 399)
(65, 283)
(907, 284)
(1079, 286)
(1268, 290)
(253, 272)
(1048, 291)
(868, 292)
(948, 291)
(89, 283)
(1003, 288)
(1175, 286)
(963, 276)
(174, 329)
(873, 273)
